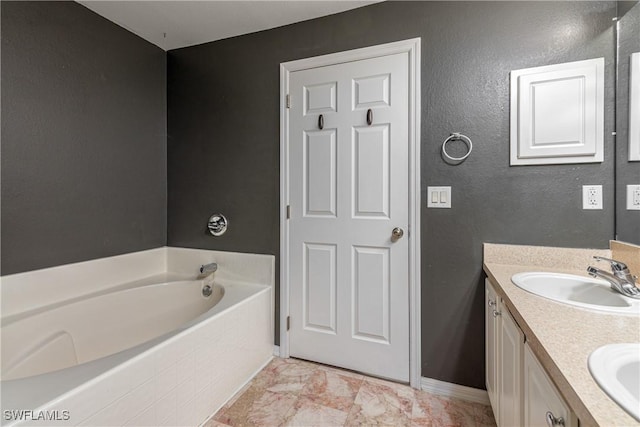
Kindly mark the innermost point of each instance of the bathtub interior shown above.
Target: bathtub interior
(237, 272)
(54, 339)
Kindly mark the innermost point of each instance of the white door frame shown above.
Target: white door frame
(412, 47)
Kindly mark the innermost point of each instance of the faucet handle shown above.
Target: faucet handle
(616, 266)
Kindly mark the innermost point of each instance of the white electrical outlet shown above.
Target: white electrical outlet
(592, 197)
(439, 197)
(633, 197)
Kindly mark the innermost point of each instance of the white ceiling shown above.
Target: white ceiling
(175, 24)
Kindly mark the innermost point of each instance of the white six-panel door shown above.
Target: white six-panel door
(348, 191)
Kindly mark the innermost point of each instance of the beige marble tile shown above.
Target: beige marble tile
(331, 389)
(214, 423)
(484, 416)
(402, 390)
(344, 372)
(432, 410)
(378, 403)
(306, 412)
(270, 409)
(264, 409)
(235, 397)
(236, 413)
(285, 376)
(335, 397)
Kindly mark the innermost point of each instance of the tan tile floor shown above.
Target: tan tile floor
(290, 392)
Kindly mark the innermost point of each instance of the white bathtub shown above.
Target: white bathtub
(53, 339)
(141, 353)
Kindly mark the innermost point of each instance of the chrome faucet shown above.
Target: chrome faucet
(621, 280)
(208, 269)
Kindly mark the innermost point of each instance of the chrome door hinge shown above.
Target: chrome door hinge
(288, 211)
(288, 322)
(288, 101)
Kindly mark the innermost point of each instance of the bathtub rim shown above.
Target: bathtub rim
(24, 291)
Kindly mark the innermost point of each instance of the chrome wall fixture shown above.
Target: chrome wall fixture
(217, 224)
(461, 137)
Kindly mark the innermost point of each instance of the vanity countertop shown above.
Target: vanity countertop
(562, 336)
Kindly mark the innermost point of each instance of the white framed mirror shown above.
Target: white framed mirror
(634, 107)
(627, 163)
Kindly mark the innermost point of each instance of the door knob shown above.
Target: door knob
(397, 233)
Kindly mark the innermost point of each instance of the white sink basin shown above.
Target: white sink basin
(579, 291)
(616, 369)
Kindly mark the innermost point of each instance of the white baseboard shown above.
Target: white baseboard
(462, 392)
(276, 350)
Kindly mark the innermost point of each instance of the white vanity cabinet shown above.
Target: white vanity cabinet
(520, 391)
(543, 405)
(511, 340)
(491, 345)
(504, 341)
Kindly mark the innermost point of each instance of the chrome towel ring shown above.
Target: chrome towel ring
(452, 137)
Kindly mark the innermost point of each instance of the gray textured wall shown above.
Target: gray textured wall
(83, 137)
(627, 222)
(223, 142)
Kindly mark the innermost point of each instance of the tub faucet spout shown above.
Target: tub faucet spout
(208, 269)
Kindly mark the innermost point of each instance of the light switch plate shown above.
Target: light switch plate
(439, 197)
(633, 197)
(592, 197)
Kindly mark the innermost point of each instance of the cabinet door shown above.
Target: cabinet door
(491, 345)
(541, 399)
(511, 342)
